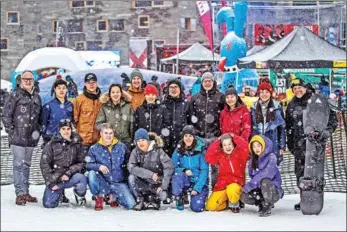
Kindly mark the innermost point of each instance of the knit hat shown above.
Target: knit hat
(68, 78)
(298, 82)
(151, 89)
(90, 77)
(189, 129)
(154, 78)
(176, 82)
(124, 75)
(59, 77)
(207, 75)
(65, 122)
(265, 86)
(259, 139)
(141, 134)
(231, 91)
(135, 73)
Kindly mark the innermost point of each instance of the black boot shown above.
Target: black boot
(242, 205)
(139, 204)
(186, 199)
(79, 200)
(64, 199)
(152, 203)
(265, 209)
(297, 206)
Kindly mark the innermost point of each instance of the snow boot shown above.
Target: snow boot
(265, 210)
(139, 204)
(80, 200)
(30, 198)
(21, 200)
(99, 203)
(235, 208)
(180, 203)
(152, 203)
(186, 199)
(297, 206)
(63, 198)
(242, 205)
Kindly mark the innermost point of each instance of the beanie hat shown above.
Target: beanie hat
(59, 76)
(176, 82)
(151, 89)
(136, 73)
(124, 75)
(298, 82)
(189, 129)
(207, 75)
(259, 139)
(141, 134)
(68, 78)
(265, 86)
(231, 91)
(154, 78)
(90, 77)
(65, 122)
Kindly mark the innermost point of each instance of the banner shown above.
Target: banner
(267, 34)
(101, 59)
(205, 16)
(138, 53)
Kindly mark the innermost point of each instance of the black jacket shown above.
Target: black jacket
(23, 117)
(61, 157)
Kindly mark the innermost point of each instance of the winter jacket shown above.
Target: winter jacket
(22, 117)
(236, 121)
(112, 157)
(52, 112)
(193, 161)
(72, 90)
(231, 167)
(155, 160)
(121, 118)
(274, 130)
(61, 157)
(295, 123)
(138, 97)
(150, 117)
(267, 168)
(86, 109)
(196, 86)
(3, 97)
(204, 110)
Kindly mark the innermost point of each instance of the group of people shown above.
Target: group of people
(139, 149)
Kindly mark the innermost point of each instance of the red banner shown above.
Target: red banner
(267, 34)
(205, 16)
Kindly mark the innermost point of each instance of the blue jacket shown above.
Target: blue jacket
(52, 112)
(112, 157)
(267, 168)
(194, 161)
(274, 130)
(196, 86)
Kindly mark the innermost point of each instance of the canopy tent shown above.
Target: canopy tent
(49, 57)
(195, 53)
(299, 49)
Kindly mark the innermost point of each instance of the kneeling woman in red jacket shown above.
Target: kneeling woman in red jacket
(230, 153)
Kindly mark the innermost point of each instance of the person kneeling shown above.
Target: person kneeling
(105, 165)
(191, 171)
(61, 165)
(150, 171)
(264, 189)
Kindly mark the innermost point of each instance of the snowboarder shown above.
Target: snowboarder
(191, 171)
(72, 90)
(136, 89)
(264, 189)
(22, 121)
(62, 162)
(150, 170)
(105, 162)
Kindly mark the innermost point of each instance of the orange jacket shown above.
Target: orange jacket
(138, 97)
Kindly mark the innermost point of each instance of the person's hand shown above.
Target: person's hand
(281, 151)
(193, 193)
(159, 190)
(55, 187)
(65, 178)
(155, 177)
(188, 173)
(104, 169)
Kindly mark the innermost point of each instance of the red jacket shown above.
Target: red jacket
(237, 121)
(231, 168)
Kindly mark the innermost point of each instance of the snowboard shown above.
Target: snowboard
(315, 120)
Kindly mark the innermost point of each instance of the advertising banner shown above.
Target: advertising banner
(205, 16)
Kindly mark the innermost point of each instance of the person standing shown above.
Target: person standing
(22, 120)
(72, 90)
(136, 89)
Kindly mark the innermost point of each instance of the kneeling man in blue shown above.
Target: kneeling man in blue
(105, 162)
(191, 171)
(61, 165)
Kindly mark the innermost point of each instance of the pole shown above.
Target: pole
(330, 79)
(177, 49)
(212, 23)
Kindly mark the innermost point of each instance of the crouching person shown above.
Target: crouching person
(105, 165)
(264, 189)
(150, 170)
(191, 171)
(61, 165)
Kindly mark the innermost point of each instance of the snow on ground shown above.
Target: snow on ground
(34, 217)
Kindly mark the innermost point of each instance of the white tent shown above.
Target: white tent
(57, 57)
(6, 85)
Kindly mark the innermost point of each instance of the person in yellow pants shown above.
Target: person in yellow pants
(230, 154)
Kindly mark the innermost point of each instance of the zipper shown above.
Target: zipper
(231, 165)
(150, 120)
(206, 106)
(174, 113)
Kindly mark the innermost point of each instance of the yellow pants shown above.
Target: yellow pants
(218, 201)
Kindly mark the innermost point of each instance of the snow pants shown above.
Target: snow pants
(267, 193)
(219, 200)
(51, 197)
(142, 188)
(182, 184)
(120, 191)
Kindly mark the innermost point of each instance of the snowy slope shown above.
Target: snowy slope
(34, 217)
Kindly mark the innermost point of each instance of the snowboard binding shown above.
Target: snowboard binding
(312, 184)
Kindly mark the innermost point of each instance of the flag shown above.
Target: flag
(205, 16)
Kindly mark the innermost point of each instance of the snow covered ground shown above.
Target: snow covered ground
(34, 217)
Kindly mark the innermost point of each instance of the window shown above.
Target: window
(139, 4)
(89, 3)
(188, 24)
(81, 4)
(55, 26)
(12, 17)
(157, 3)
(117, 25)
(158, 43)
(343, 35)
(4, 44)
(80, 45)
(304, 3)
(102, 26)
(39, 29)
(75, 25)
(94, 45)
(143, 21)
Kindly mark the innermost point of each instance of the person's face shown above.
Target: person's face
(174, 90)
(231, 100)
(60, 91)
(247, 90)
(143, 144)
(27, 81)
(107, 136)
(227, 146)
(91, 86)
(299, 91)
(151, 98)
(115, 94)
(207, 84)
(256, 147)
(188, 139)
(264, 95)
(136, 82)
(65, 132)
